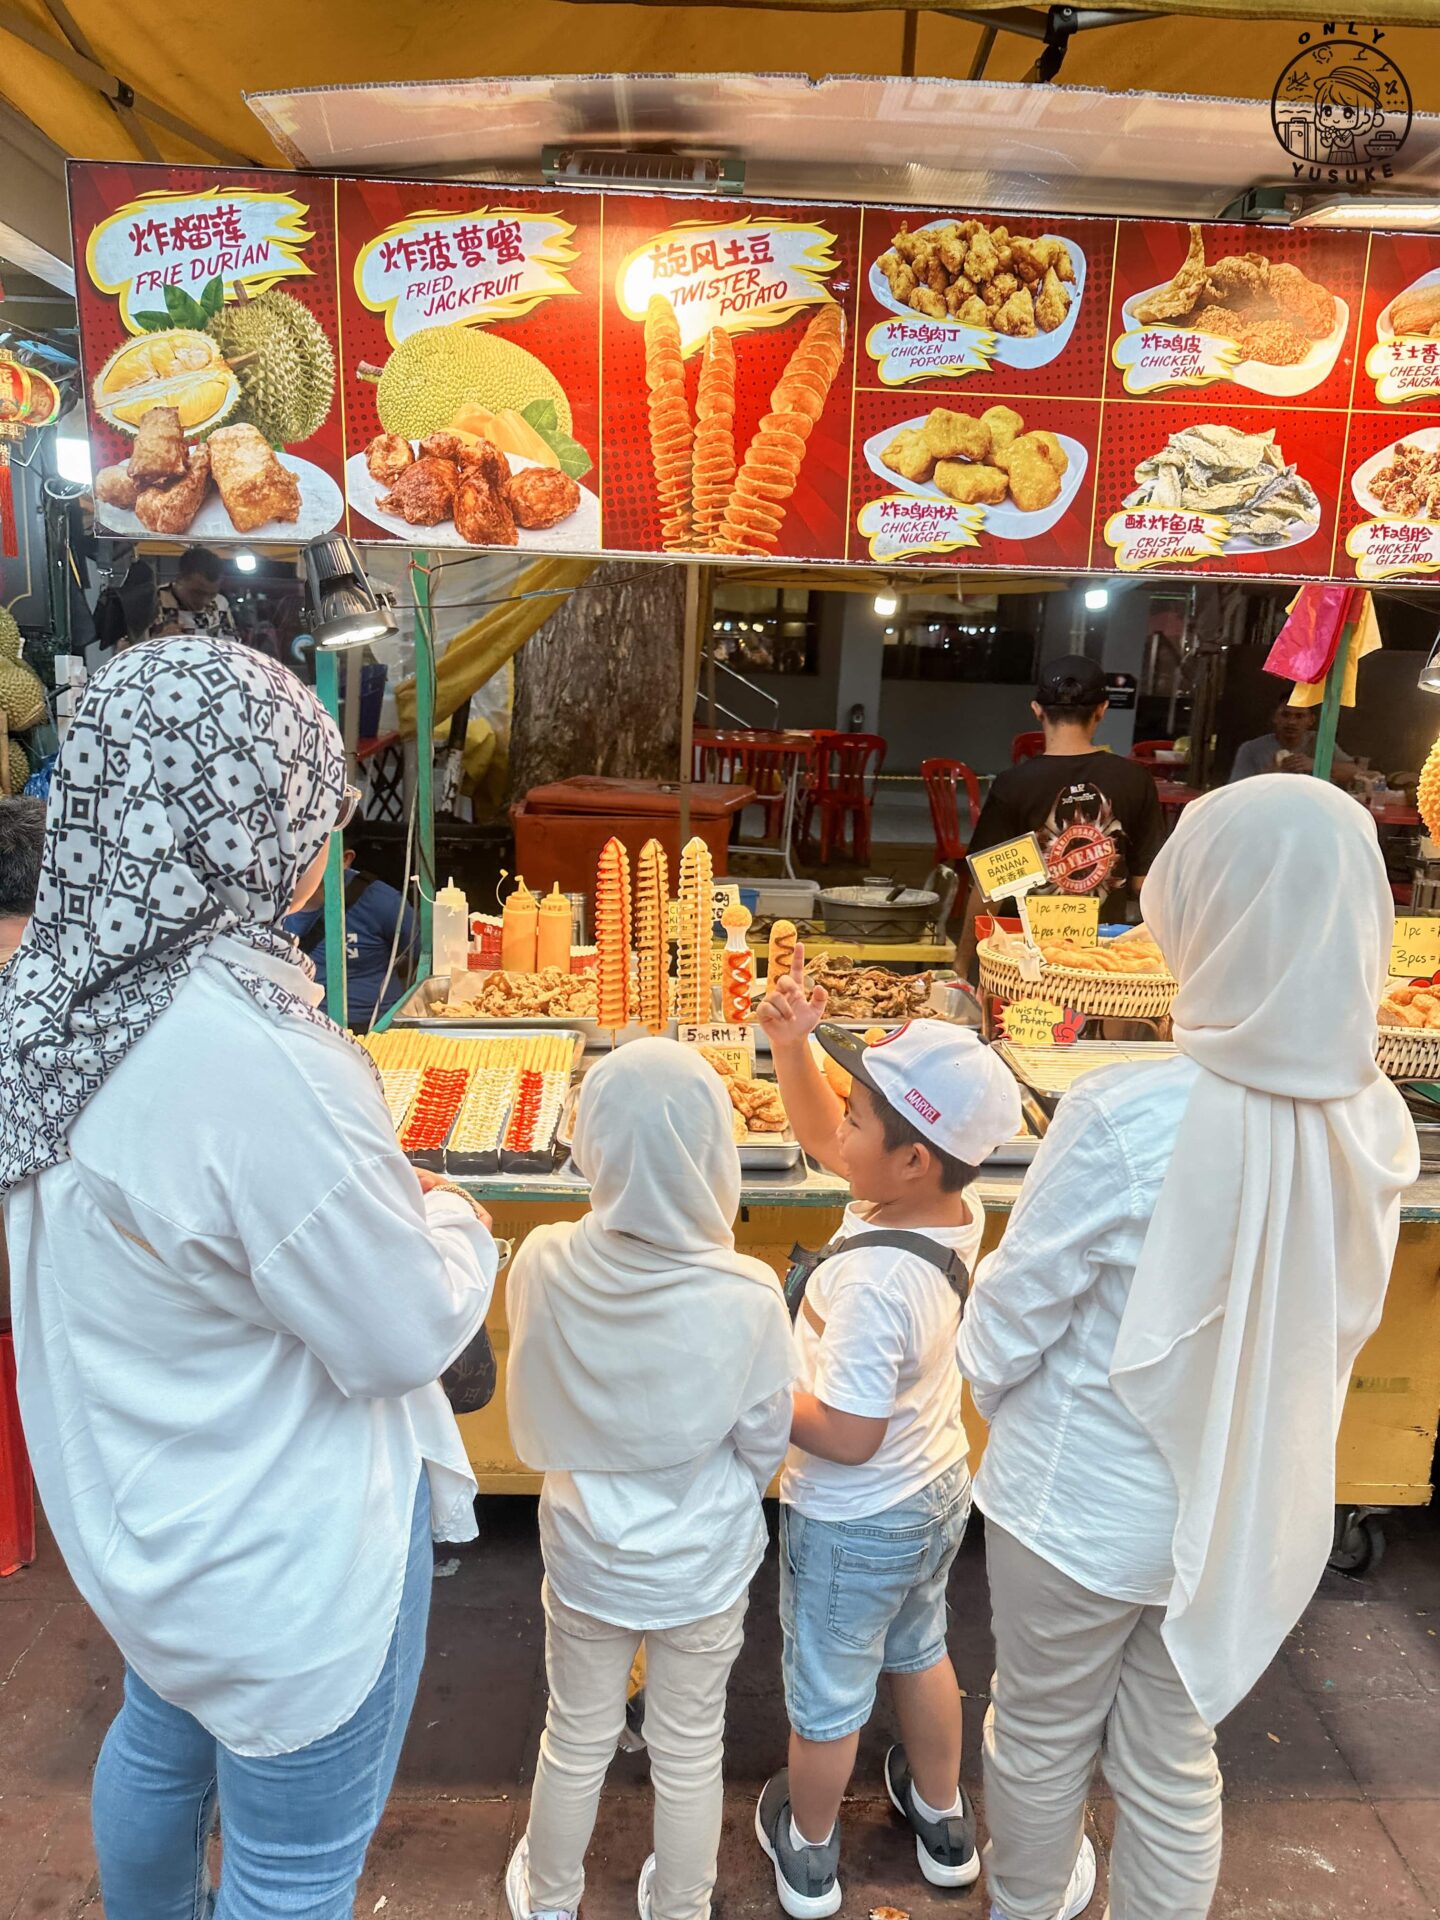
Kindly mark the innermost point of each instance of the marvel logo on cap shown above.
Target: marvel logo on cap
(914, 1098)
(950, 1086)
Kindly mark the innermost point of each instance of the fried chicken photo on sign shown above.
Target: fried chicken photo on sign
(424, 495)
(115, 488)
(1035, 464)
(387, 457)
(1240, 279)
(908, 455)
(542, 497)
(253, 484)
(159, 452)
(482, 511)
(1174, 301)
(970, 484)
(949, 435)
(1004, 424)
(1304, 303)
(468, 451)
(171, 509)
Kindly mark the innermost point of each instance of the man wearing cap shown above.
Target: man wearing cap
(876, 1490)
(1097, 816)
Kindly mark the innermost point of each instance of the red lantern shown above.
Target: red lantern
(28, 398)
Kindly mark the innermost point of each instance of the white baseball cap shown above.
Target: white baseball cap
(943, 1079)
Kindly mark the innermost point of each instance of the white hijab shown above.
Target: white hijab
(638, 1335)
(1265, 1265)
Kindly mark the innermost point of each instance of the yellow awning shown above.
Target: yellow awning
(191, 63)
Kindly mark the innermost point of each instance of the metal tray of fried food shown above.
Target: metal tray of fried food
(421, 1009)
(759, 1152)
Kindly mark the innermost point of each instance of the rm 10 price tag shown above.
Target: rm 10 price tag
(1041, 1023)
(1416, 952)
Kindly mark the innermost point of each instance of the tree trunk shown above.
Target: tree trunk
(597, 689)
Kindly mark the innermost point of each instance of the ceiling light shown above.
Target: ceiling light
(245, 561)
(886, 604)
(1097, 598)
(72, 459)
(343, 607)
(1363, 211)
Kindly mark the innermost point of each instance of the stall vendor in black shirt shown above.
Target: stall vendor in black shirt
(1097, 817)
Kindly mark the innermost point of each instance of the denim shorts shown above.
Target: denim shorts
(859, 1598)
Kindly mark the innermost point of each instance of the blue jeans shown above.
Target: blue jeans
(859, 1598)
(296, 1826)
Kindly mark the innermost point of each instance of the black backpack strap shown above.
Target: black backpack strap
(357, 885)
(804, 1260)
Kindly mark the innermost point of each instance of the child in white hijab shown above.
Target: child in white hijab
(650, 1378)
(1162, 1345)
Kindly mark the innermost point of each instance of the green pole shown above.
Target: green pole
(327, 686)
(424, 758)
(1330, 705)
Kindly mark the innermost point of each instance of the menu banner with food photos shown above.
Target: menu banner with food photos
(272, 356)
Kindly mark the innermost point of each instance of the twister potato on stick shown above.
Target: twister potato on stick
(714, 463)
(612, 935)
(652, 945)
(697, 886)
(767, 478)
(672, 433)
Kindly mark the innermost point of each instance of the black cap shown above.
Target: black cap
(1073, 683)
(847, 1049)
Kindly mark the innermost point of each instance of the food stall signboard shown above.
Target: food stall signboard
(1065, 916)
(1415, 954)
(447, 364)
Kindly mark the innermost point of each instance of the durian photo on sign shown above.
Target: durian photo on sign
(214, 409)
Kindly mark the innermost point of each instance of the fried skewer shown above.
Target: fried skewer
(612, 935)
(697, 889)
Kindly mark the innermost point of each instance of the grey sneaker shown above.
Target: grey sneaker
(945, 1848)
(517, 1888)
(1081, 1890)
(807, 1879)
(632, 1734)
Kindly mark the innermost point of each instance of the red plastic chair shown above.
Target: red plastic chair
(766, 768)
(1146, 750)
(1026, 746)
(847, 766)
(942, 788)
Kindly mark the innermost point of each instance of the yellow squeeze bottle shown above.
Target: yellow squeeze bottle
(519, 926)
(553, 936)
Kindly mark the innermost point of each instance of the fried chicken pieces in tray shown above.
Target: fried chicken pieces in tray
(466, 479)
(1272, 311)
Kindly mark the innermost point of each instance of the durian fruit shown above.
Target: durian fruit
(21, 694)
(19, 767)
(180, 368)
(1428, 797)
(435, 373)
(286, 365)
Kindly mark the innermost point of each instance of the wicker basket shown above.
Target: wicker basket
(1409, 1053)
(1109, 996)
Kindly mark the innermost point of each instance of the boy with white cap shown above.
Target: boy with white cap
(876, 1490)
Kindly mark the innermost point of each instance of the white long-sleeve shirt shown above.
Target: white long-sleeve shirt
(653, 1550)
(1067, 1470)
(231, 1306)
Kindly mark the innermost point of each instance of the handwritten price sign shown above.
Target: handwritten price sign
(1416, 952)
(1041, 1023)
(1066, 917)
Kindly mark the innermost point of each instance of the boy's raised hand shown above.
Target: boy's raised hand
(788, 1013)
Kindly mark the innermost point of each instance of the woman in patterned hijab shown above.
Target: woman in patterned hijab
(198, 783)
(233, 1299)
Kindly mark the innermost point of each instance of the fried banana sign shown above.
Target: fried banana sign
(738, 274)
(486, 264)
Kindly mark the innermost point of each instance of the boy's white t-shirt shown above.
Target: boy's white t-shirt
(887, 1353)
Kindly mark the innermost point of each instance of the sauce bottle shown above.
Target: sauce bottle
(556, 917)
(519, 928)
